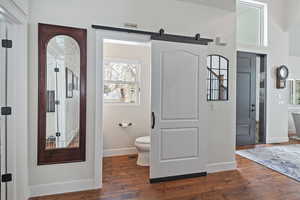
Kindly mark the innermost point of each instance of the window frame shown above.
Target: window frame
(263, 28)
(137, 82)
(209, 79)
(293, 92)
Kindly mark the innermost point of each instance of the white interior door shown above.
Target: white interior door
(179, 110)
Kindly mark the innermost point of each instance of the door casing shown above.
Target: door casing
(262, 109)
(101, 35)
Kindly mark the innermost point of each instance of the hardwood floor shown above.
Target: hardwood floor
(123, 180)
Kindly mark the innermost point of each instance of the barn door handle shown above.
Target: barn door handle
(153, 120)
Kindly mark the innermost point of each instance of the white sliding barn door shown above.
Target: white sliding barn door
(179, 106)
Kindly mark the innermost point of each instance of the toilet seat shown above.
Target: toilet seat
(143, 140)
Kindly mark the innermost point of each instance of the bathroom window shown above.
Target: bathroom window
(121, 81)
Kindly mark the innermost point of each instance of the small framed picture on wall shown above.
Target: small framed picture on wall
(69, 83)
(50, 101)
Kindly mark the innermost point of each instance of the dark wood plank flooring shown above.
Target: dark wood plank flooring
(123, 180)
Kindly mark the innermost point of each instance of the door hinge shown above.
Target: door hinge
(7, 43)
(5, 110)
(6, 178)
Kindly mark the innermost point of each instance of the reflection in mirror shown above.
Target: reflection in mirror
(217, 78)
(294, 91)
(63, 93)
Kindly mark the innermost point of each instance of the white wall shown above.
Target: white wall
(294, 68)
(121, 140)
(150, 15)
(292, 15)
(277, 54)
(222, 138)
(293, 27)
(22, 4)
(277, 124)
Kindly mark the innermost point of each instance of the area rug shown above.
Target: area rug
(283, 159)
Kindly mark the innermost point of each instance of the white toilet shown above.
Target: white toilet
(142, 145)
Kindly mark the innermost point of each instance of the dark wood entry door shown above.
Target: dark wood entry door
(246, 99)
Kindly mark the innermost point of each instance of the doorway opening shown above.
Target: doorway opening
(251, 99)
(126, 108)
(174, 115)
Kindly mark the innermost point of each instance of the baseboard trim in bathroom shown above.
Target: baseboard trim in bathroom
(119, 152)
(173, 178)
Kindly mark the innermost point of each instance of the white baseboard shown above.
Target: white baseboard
(119, 152)
(220, 167)
(89, 184)
(62, 187)
(277, 140)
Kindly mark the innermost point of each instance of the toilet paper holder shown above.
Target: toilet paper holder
(125, 124)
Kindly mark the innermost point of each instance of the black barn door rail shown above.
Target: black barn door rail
(161, 35)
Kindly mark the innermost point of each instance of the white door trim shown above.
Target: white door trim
(100, 36)
(18, 156)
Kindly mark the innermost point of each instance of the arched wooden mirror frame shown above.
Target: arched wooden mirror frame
(60, 155)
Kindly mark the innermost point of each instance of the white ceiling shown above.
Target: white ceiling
(222, 4)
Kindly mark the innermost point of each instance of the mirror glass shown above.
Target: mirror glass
(217, 78)
(294, 91)
(62, 93)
